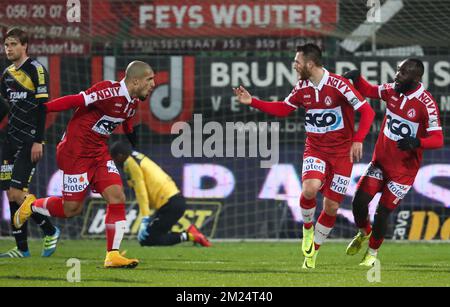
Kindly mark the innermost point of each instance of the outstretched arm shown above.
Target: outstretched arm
(361, 84)
(276, 108)
(65, 103)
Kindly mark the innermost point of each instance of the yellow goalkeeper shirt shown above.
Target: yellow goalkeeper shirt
(152, 186)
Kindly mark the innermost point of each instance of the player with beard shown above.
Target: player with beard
(411, 125)
(331, 145)
(83, 154)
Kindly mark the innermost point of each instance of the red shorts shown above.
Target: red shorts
(81, 173)
(393, 187)
(334, 172)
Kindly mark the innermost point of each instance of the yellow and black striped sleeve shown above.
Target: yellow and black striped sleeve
(40, 80)
(137, 182)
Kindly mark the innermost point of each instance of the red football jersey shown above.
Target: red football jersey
(107, 104)
(330, 108)
(411, 115)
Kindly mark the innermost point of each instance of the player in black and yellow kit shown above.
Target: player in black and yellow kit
(156, 190)
(24, 86)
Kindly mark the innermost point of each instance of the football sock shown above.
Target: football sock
(49, 206)
(45, 224)
(20, 234)
(308, 208)
(323, 228)
(375, 243)
(115, 223)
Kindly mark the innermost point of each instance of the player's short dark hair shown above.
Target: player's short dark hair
(417, 65)
(120, 148)
(20, 34)
(311, 52)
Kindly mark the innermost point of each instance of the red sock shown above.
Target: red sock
(374, 243)
(50, 206)
(308, 208)
(324, 225)
(115, 223)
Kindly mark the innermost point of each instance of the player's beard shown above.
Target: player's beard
(404, 87)
(304, 74)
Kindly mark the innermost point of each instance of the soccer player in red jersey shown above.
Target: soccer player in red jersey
(411, 125)
(331, 144)
(84, 158)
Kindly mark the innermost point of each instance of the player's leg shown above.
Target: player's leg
(115, 222)
(313, 176)
(77, 174)
(368, 186)
(23, 172)
(334, 191)
(20, 234)
(158, 231)
(393, 192)
(108, 183)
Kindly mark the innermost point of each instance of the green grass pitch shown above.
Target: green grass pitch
(257, 264)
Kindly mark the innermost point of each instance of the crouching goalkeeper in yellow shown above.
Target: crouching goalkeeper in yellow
(156, 190)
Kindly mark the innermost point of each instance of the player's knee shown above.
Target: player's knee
(72, 208)
(115, 197)
(310, 187)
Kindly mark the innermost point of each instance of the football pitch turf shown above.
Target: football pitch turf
(248, 264)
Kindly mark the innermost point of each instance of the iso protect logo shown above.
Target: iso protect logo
(73, 13)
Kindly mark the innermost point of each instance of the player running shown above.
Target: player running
(156, 190)
(83, 155)
(24, 85)
(411, 125)
(331, 145)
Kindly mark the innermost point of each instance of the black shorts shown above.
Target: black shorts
(16, 169)
(167, 216)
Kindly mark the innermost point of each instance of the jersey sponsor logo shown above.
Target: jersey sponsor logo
(397, 127)
(324, 120)
(6, 171)
(107, 124)
(399, 190)
(340, 184)
(18, 95)
(373, 172)
(75, 183)
(102, 94)
(112, 167)
(429, 104)
(339, 84)
(313, 164)
(41, 90)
